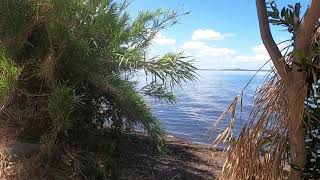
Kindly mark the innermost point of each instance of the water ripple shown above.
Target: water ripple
(200, 104)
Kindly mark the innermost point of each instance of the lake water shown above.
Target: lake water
(200, 103)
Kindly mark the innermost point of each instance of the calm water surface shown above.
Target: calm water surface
(200, 103)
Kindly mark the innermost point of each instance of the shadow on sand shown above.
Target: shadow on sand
(184, 161)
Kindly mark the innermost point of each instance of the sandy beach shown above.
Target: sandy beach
(185, 160)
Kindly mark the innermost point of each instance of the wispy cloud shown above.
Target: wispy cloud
(209, 34)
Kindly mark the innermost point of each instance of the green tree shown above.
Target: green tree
(66, 70)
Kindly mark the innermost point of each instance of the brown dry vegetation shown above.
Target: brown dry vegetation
(275, 132)
(184, 160)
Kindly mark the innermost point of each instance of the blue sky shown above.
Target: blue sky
(218, 33)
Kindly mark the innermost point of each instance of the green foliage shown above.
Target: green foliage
(309, 61)
(312, 139)
(9, 74)
(61, 106)
(77, 56)
(287, 17)
(166, 72)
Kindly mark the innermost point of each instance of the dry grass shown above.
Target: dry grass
(260, 151)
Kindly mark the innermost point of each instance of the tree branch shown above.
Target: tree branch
(267, 38)
(307, 26)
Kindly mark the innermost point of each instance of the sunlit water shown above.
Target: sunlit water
(200, 103)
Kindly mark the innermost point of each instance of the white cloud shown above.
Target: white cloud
(209, 34)
(260, 54)
(207, 56)
(212, 57)
(163, 40)
(193, 45)
(203, 49)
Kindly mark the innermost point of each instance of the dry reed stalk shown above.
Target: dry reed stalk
(260, 151)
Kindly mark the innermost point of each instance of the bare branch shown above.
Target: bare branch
(307, 26)
(267, 39)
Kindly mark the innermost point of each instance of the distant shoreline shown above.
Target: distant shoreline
(237, 69)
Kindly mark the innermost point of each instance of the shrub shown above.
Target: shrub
(77, 58)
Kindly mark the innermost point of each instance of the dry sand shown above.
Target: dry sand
(185, 160)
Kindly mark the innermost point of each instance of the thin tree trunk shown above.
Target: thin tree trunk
(298, 152)
(295, 80)
(296, 97)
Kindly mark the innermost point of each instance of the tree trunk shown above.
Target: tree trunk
(296, 98)
(298, 152)
(295, 80)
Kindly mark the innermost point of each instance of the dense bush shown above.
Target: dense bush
(66, 69)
